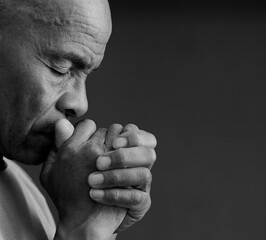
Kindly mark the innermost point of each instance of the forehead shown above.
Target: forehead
(92, 14)
(83, 24)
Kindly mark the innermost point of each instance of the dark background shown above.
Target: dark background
(192, 73)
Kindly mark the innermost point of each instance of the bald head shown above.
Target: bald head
(15, 15)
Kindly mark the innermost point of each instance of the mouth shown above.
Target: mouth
(49, 135)
(38, 145)
(44, 136)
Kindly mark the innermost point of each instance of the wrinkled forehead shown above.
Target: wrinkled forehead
(93, 15)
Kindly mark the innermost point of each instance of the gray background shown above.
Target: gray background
(194, 75)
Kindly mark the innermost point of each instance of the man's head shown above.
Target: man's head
(47, 49)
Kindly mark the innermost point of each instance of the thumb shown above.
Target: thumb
(63, 131)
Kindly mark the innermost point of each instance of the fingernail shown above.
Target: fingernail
(95, 179)
(103, 163)
(96, 194)
(120, 142)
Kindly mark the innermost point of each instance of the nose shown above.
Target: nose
(74, 102)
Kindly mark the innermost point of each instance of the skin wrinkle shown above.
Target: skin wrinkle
(90, 50)
(92, 53)
(93, 38)
(87, 27)
(47, 18)
(56, 84)
(43, 113)
(90, 26)
(42, 14)
(58, 21)
(63, 20)
(88, 34)
(91, 31)
(40, 95)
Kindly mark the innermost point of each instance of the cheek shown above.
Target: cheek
(32, 98)
(39, 93)
(37, 99)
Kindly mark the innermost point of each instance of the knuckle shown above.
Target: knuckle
(89, 122)
(145, 175)
(148, 176)
(137, 197)
(93, 147)
(149, 156)
(115, 195)
(112, 179)
(68, 152)
(116, 126)
(153, 155)
(148, 205)
(90, 147)
(130, 127)
(98, 151)
(136, 138)
(90, 150)
(154, 139)
(102, 130)
(121, 158)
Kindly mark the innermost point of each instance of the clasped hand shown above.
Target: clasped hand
(99, 179)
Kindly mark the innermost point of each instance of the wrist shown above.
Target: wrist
(82, 232)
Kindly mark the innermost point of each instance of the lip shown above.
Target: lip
(45, 130)
(49, 135)
(45, 139)
(48, 129)
(40, 141)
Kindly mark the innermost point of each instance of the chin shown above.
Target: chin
(35, 158)
(33, 155)
(36, 150)
(32, 150)
(30, 156)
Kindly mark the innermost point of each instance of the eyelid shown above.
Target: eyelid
(56, 68)
(60, 69)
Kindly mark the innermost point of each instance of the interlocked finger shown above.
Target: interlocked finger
(135, 138)
(113, 131)
(127, 158)
(140, 178)
(133, 199)
(130, 127)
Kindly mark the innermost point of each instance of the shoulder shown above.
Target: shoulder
(21, 185)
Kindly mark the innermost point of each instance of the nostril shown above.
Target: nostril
(70, 113)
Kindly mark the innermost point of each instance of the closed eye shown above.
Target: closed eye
(61, 72)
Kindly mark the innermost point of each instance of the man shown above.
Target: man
(99, 179)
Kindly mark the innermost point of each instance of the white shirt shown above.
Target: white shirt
(24, 213)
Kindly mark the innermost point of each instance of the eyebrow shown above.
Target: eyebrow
(78, 61)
